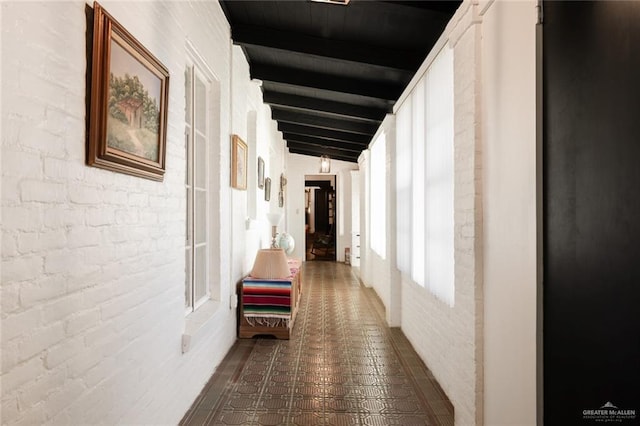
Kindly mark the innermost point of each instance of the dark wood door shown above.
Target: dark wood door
(322, 211)
(591, 199)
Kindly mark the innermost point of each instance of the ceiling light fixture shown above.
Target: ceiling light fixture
(325, 164)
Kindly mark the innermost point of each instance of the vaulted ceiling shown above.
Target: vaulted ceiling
(331, 72)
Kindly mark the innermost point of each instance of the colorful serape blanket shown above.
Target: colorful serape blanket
(266, 301)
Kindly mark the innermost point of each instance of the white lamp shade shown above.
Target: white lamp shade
(274, 218)
(270, 264)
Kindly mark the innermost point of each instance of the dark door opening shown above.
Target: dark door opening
(320, 219)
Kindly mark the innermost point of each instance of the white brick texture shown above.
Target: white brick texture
(92, 279)
(449, 339)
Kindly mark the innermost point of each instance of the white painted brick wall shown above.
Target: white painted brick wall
(92, 280)
(452, 340)
(449, 340)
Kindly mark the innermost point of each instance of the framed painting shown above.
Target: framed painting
(238, 163)
(267, 189)
(128, 105)
(260, 173)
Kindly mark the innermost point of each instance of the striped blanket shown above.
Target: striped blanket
(266, 302)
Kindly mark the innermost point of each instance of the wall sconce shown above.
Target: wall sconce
(325, 164)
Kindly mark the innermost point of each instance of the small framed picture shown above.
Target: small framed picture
(267, 189)
(260, 173)
(128, 105)
(238, 163)
(283, 181)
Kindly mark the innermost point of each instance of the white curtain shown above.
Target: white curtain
(417, 190)
(424, 180)
(439, 177)
(403, 188)
(379, 195)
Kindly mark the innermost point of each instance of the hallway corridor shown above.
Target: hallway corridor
(342, 366)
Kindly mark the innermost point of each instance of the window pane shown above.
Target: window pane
(417, 170)
(201, 273)
(201, 161)
(201, 217)
(187, 273)
(201, 106)
(403, 187)
(439, 177)
(188, 221)
(187, 154)
(187, 89)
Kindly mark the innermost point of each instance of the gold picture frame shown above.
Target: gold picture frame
(238, 163)
(129, 91)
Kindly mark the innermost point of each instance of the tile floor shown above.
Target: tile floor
(342, 366)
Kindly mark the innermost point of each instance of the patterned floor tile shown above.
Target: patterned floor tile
(342, 366)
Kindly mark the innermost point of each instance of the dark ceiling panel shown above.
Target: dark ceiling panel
(446, 6)
(336, 135)
(322, 47)
(315, 104)
(327, 95)
(329, 72)
(329, 66)
(316, 80)
(289, 116)
(311, 140)
(319, 152)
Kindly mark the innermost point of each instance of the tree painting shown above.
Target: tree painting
(133, 112)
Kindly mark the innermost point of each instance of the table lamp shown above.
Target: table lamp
(274, 220)
(270, 264)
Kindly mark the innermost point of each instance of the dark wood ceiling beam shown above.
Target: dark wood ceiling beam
(295, 77)
(330, 107)
(301, 149)
(323, 150)
(446, 7)
(335, 49)
(323, 133)
(289, 116)
(347, 98)
(319, 143)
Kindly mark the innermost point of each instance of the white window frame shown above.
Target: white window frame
(191, 188)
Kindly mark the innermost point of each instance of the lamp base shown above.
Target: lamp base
(274, 233)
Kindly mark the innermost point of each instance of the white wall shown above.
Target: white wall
(449, 339)
(509, 209)
(377, 272)
(92, 282)
(252, 122)
(298, 166)
(366, 268)
(355, 218)
(482, 350)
